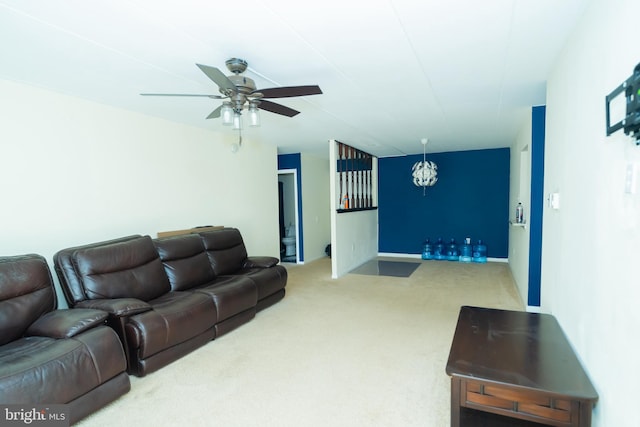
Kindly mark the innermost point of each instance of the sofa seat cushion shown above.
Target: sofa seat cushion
(41, 369)
(231, 295)
(175, 318)
(268, 280)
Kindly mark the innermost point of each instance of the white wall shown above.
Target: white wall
(356, 240)
(519, 185)
(354, 235)
(76, 172)
(591, 245)
(316, 211)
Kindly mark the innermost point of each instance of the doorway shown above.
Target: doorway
(288, 215)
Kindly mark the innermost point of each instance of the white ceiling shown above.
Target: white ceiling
(462, 73)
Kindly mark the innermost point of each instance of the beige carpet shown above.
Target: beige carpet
(357, 351)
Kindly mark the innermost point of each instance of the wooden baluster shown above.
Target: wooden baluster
(370, 173)
(353, 186)
(364, 179)
(361, 173)
(365, 165)
(346, 177)
(365, 188)
(355, 178)
(357, 172)
(340, 201)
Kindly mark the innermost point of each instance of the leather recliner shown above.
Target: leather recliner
(52, 356)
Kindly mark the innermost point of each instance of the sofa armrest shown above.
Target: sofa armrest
(260, 262)
(119, 307)
(66, 323)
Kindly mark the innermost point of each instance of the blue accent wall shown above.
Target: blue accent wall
(292, 161)
(470, 199)
(289, 161)
(538, 115)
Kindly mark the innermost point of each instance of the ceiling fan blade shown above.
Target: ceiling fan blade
(277, 108)
(183, 94)
(219, 78)
(215, 113)
(289, 91)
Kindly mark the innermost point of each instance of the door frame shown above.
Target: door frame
(296, 199)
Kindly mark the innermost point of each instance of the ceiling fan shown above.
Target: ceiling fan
(241, 92)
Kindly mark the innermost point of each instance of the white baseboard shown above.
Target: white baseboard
(395, 255)
(419, 256)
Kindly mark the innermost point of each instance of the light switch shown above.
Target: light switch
(554, 201)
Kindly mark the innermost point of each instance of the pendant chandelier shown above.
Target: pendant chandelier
(425, 173)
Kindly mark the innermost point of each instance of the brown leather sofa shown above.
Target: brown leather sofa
(51, 356)
(166, 297)
(228, 257)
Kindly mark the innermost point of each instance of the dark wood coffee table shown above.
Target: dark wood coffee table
(517, 365)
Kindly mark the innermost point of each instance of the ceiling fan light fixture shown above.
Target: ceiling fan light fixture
(237, 121)
(226, 113)
(254, 115)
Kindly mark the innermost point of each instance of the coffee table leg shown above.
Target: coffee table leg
(455, 401)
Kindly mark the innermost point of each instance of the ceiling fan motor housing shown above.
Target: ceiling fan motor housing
(244, 87)
(243, 84)
(236, 65)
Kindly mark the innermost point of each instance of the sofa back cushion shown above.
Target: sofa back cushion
(225, 249)
(26, 293)
(185, 261)
(65, 267)
(125, 269)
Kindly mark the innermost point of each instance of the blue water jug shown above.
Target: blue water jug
(452, 251)
(427, 250)
(480, 252)
(466, 250)
(440, 252)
